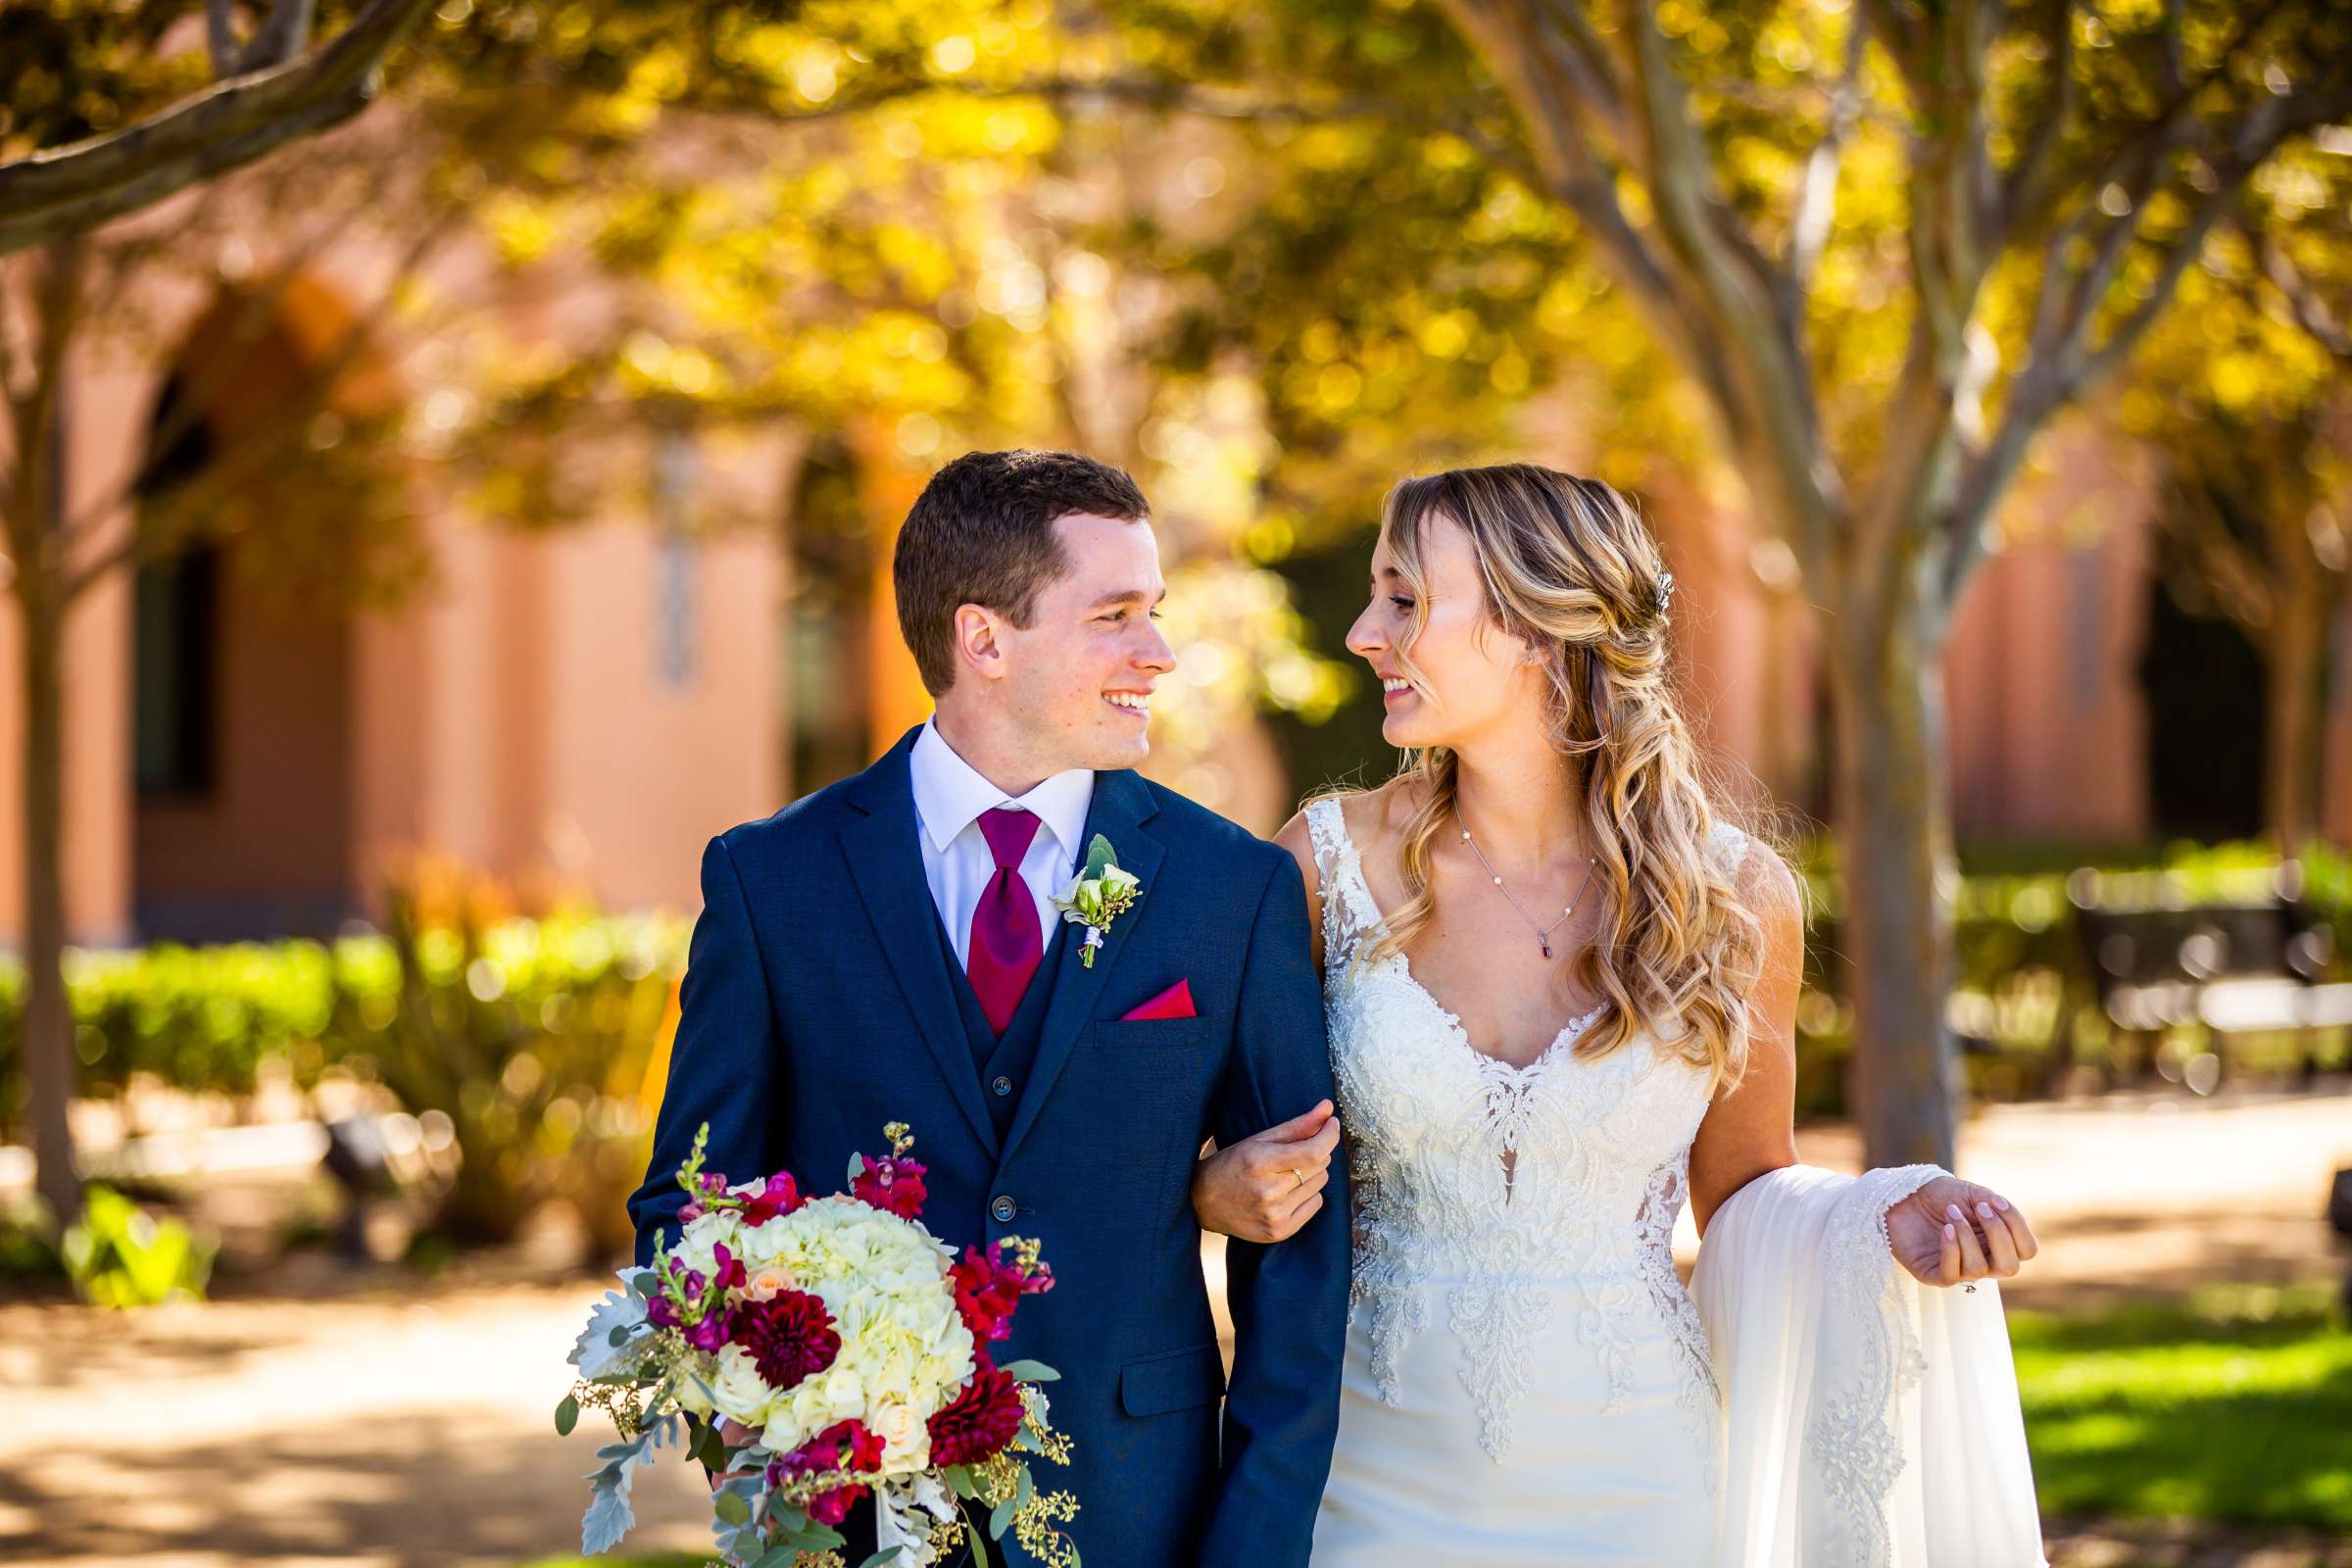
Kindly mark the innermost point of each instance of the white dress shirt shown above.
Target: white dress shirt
(949, 794)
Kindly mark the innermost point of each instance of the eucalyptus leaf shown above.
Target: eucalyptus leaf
(783, 1556)
(567, 1415)
(1099, 854)
(731, 1507)
(882, 1559)
(971, 1535)
(1030, 1372)
(959, 1482)
(856, 1168)
(997, 1518)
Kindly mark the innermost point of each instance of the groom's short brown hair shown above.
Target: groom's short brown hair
(982, 533)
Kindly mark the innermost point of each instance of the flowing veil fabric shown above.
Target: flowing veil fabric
(1868, 1421)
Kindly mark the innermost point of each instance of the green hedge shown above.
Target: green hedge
(535, 1038)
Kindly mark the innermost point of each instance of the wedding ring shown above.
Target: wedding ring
(1970, 1289)
(1298, 1179)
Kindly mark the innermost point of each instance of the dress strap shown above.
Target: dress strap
(1339, 881)
(1731, 846)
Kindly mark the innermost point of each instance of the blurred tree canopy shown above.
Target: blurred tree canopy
(1879, 244)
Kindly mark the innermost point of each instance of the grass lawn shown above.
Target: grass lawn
(2235, 1408)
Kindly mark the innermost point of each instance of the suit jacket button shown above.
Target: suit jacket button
(1003, 1210)
(1001, 1084)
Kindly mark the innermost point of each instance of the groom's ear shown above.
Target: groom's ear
(978, 642)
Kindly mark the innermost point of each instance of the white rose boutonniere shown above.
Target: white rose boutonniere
(1100, 893)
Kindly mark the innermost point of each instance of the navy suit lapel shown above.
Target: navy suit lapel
(1120, 807)
(887, 866)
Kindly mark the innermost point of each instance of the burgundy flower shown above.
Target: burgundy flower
(789, 1337)
(714, 1330)
(781, 1195)
(843, 1446)
(832, 1507)
(894, 1186)
(730, 1275)
(989, 1284)
(978, 1422)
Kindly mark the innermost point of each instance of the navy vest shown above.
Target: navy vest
(1003, 1062)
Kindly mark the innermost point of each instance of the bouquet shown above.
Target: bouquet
(855, 1345)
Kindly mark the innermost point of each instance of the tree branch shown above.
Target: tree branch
(219, 38)
(73, 188)
(2303, 302)
(281, 37)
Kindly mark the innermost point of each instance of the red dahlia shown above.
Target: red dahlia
(979, 1421)
(790, 1337)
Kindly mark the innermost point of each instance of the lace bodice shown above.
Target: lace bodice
(1580, 1222)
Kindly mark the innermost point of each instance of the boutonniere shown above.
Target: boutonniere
(1102, 893)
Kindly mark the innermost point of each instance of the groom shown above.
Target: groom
(884, 951)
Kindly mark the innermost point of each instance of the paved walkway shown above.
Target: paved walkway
(356, 1422)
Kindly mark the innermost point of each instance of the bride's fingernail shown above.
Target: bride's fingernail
(1950, 1233)
(2000, 1202)
(1984, 1209)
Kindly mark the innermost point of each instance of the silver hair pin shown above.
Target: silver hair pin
(1665, 590)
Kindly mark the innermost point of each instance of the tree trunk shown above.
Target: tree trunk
(1895, 841)
(2293, 658)
(48, 1040)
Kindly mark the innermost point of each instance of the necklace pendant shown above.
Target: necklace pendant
(1546, 948)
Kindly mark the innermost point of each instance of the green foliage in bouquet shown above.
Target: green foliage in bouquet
(119, 1255)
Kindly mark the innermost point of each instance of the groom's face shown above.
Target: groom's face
(1078, 679)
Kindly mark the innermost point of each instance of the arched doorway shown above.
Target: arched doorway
(242, 705)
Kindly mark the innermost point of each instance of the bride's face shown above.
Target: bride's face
(1467, 672)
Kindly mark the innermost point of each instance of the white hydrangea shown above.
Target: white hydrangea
(904, 1349)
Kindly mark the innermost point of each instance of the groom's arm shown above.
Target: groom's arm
(1288, 1299)
(726, 1063)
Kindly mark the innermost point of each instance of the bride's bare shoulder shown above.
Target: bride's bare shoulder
(1377, 817)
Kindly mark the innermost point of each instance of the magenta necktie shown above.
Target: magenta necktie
(1005, 943)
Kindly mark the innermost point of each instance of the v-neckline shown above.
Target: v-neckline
(1570, 1032)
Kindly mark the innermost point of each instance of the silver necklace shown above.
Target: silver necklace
(1542, 932)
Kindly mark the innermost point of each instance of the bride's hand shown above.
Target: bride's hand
(1268, 1185)
(1950, 1231)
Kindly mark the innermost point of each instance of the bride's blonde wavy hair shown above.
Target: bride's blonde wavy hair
(1569, 569)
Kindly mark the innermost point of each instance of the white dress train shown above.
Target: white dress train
(1528, 1381)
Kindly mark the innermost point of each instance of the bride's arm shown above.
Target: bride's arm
(1751, 1129)
(1947, 1231)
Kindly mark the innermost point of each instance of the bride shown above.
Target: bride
(1561, 997)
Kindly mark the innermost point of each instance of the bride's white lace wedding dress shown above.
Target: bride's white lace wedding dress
(1528, 1380)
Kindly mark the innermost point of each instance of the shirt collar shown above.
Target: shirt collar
(949, 793)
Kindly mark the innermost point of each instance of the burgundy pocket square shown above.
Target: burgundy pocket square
(1174, 1003)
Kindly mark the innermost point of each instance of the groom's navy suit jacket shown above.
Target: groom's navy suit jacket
(819, 1004)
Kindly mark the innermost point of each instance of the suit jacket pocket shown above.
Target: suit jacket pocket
(1173, 1380)
(1158, 1034)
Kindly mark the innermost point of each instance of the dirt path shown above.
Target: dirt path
(355, 1422)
